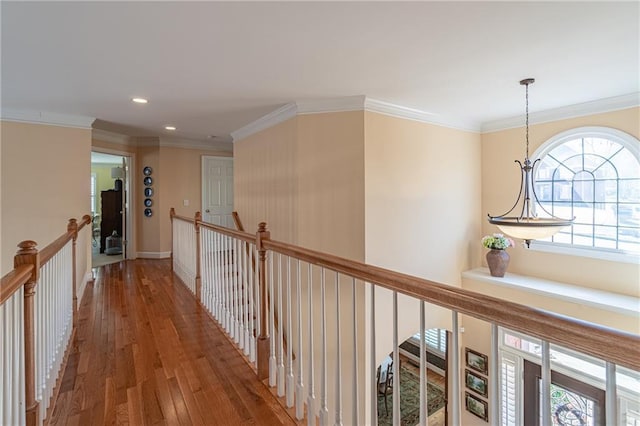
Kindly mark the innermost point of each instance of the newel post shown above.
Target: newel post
(172, 213)
(198, 275)
(28, 254)
(263, 338)
(72, 227)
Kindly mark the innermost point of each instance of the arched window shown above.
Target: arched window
(592, 174)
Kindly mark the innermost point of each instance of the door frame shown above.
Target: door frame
(130, 191)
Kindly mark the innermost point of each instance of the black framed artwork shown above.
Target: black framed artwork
(476, 383)
(476, 406)
(476, 361)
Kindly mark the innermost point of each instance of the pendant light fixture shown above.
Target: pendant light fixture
(528, 225)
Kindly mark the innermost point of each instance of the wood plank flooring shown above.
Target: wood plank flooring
(146, 353)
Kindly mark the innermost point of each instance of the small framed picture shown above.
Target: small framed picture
(476, 361)
(476, 383)
(476, 406)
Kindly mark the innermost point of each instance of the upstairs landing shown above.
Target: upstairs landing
(146, 353)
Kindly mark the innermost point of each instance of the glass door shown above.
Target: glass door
(573, 403)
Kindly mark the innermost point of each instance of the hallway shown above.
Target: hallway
(147, 353)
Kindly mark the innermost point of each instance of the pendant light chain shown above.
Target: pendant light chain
(527, 114)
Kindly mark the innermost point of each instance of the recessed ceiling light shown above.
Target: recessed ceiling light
(169, 127)
(140, 100)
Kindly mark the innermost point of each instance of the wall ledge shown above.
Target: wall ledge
(613, 302)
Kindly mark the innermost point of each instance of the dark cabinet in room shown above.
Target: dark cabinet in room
(111, 215)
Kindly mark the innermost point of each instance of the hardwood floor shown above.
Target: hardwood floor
(145, 353)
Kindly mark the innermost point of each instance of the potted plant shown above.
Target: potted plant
(497, 257)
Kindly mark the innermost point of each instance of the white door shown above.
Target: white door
(217, 190)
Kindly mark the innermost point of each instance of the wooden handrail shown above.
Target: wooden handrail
(12, 281)
(49, 251)
(602, 342)
(244, 236)
(86, 219)
(237, 221)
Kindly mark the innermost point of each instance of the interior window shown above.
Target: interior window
(592, 175)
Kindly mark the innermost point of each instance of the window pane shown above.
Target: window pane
(602, 147)
(605, 170)
(566, 150)
(605, 236)
(626, 164)
(583, 188)
(606, 190)
(629, 191)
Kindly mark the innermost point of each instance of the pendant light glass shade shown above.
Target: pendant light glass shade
(528, 225)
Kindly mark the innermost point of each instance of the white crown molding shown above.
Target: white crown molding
(386, 108)
(112, 137)
(212, 145)
(344, 104)
(47, 118)
(319, 106)
(571, 111)
(281, 114)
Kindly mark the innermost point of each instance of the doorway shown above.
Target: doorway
(217, 190)
(572, 402)
(109, 206)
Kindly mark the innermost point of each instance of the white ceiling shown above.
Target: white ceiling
(210, 68)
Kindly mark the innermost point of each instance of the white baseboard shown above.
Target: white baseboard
(88, 277)
(154, 254)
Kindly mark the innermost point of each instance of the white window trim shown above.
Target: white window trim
(626, 140)
(584, 251)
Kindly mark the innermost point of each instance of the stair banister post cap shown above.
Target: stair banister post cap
(27, 247)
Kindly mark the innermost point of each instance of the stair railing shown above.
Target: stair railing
(338, 354)
(38, 312)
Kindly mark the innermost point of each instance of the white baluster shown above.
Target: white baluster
(253, 306)
(227, 281)
(545, 402)
(234, 261)
(249, 329)
(290, 383)
(324, 411)
(239, 297)
(494, 378)
(372, 354)
(455, 369)
(354, 373)
(237, 279)
(300, 384)
(338, 421)
(423, 369)
(396, 363)
(611, 395)
(311, 398)
(272, 327)
(243, 297)
(281, 386)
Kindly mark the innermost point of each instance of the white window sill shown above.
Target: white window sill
(618, 303)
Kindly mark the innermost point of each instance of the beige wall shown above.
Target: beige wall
(178, 178)
(265, 180)
(45, 182)
(422, 210)
(500, 179)
(305, 178)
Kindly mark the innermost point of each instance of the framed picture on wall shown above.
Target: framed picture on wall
(476, 406)
(476, 361)
(475, 382)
